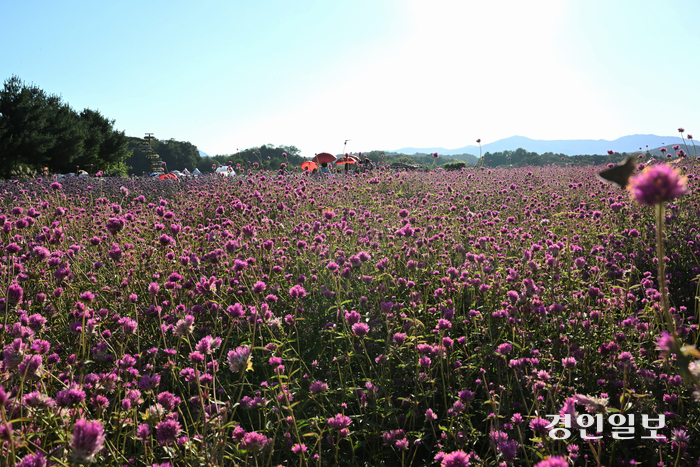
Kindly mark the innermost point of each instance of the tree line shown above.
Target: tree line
(521, 157)
(180, 155)
(39, 131)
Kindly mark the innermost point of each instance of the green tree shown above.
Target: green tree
(177, 155)
(102, 143)
(454, 165)
(38, 130)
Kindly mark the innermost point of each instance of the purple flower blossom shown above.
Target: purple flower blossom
(153, 289)
(33, 460)
(657, 184)
(208, 345)
(456, 459)
(167, 431)
(143, 432)
(238, 359)
(254, 441)
(149, 383)
(665, 342)
(360, 329)
(297, 291)
(70, 397)
(338, 422)
(14, 293)
(299, 448)
(539, 425)
(87, 440)
(318, 387)
(556, 461)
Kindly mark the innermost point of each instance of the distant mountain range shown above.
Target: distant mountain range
(202, 153)
(570, 147)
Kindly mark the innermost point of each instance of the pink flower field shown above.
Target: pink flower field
(502, 317)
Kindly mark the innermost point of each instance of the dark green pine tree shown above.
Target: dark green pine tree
(25, 119)
(38, 130)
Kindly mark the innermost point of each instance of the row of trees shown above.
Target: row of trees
(39, 131)
(267, 157)
(179, 155)
(521, 157)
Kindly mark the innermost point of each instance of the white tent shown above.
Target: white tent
(196, 171)
(186, 172)
(226, 171)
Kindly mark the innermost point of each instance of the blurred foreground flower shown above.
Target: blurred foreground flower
(553, 462)
(592, 404)
(657, 184)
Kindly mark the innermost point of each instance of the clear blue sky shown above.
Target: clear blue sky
(228, 75)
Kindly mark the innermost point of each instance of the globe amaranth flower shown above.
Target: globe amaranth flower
(167, 431)
(14, 293)
(556, 461)
(318, 387)
(297, 448)
(539, 425)
(657, 184)
(455, 459)
(254, 441)
(340, 421)
(666, 343)
(71, 396)
(360, 329)
(88, 439)
(33, 460)
(238, 359)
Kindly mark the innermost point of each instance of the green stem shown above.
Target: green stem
(660, 218)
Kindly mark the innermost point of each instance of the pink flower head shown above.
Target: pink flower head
(340, 421)
(553, 462)
(318, 387)
(360, 329)
(657, 184)
(167, 431)
(455, 459)
(88, 439)
(238, 359)
(665, 343)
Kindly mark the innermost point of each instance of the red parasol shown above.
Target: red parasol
(308, 165)
(345, 160)
(323, 157)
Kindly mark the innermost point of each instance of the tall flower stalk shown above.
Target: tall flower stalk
(655, 186)
(481, 161)
(681, 131)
